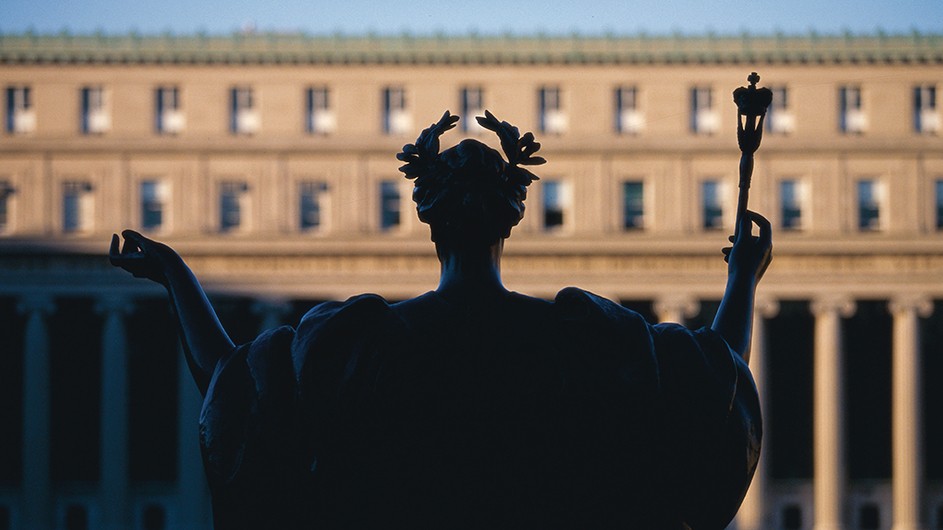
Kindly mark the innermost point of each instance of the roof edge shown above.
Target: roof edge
(300, 48)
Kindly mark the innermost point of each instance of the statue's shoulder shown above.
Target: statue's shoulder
(336, 320)
(326, 312)
(612, 338)
(573, 303)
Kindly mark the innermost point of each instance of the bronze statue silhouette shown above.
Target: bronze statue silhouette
(472, 406)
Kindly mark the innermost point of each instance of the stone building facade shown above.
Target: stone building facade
(267, 162)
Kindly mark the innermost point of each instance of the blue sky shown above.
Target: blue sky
(485, 17)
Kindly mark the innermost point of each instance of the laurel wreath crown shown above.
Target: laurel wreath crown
(422, 157)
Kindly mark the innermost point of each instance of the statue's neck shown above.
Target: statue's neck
(468, 272)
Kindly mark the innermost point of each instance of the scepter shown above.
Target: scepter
(751, 103)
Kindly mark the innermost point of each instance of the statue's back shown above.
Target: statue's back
(429, 413)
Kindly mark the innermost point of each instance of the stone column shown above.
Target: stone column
(114, 414)
(272, 311)
(828, 428)
(37, 484)
(675, 308)
(753, 512)
(907, 466)
(191, 482)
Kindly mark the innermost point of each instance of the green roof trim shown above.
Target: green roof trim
(470, 49)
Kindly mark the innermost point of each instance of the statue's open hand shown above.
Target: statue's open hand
(750, 255)
(142, 257)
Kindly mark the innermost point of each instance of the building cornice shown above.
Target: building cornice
(289, 49)
(652, 268)
(617, 244)
(385, 147)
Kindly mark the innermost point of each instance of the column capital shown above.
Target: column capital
(684, 306)
(766, 307)
(906, 303)
(36, 302)
(843, 305)
(113, 303)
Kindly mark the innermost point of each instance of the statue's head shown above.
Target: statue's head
(469, 194)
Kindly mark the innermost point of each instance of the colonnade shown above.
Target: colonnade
(113, 509)
(829, 474)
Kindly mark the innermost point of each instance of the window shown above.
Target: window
(153, 517)
(313, 206)
(870, 200)
(6, 197)
(319, 118)
(154, 197)
(633, 206)
(472, 104)
(389, 205)
(792, 197)
(76, 517)
(169, 119)
(851, 116)
(20, 116)
(96, 118)
(779, 117)
(396, 117)
(232, 205)
(869, 516)
(629, 119)
(926, 116)
(938, 185)
(712, 204)
(76, 206)
(553, 120)
(791, 517)
(244, 118)
(704, 120)
(556, 204)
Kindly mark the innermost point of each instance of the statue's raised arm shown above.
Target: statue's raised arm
(204, 339)
(747, 261)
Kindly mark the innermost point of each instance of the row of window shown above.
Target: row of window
(867, 515)
(313, 203)
(153, 516)
(320, 118)
(78, 516)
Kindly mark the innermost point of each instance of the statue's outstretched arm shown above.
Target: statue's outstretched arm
(747, 261)
(204, 339)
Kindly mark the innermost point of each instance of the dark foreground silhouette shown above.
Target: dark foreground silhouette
(471, 406)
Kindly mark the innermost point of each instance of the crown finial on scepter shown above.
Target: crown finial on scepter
(752, 103)
(753, 78)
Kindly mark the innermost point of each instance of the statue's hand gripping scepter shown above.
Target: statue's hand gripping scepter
(751, 103)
